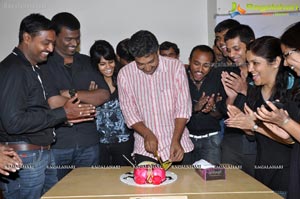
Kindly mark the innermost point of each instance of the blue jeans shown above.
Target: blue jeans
(33, 179)
(68, 159)
(207, 148)
(222, 127)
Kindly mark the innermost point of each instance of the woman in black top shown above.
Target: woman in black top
(290, 46)
(116, 139)
(265, 63)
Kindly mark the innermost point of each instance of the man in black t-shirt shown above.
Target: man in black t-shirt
(26, 121)
(237, 148)
(205, 88)
(68, 72)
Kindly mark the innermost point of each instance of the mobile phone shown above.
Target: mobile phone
(278, 105)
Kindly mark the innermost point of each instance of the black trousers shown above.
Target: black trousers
(112, 154)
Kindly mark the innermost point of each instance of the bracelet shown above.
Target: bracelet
(255, 127)
(285, 121)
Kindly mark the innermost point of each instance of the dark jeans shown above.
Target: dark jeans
(68, 159)
(208, 149)
(33, 179)
(187, 159)
(112, 154)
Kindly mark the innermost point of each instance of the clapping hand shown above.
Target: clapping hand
(9, 160)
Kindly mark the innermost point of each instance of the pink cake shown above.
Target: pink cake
(149, 174)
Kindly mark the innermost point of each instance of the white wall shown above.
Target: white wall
(211, 21)
(184, 22)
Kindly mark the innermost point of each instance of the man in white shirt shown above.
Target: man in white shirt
(156, 103)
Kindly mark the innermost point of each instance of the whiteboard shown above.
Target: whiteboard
(265, 24)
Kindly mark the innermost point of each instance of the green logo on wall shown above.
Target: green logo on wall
(236, 9)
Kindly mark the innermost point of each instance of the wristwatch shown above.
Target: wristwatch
(72, 92)
(255, 127)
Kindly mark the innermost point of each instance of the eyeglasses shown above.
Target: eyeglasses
(285, 55)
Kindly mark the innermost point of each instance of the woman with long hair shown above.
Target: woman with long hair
(270, 78)
(290, 46)
(116, 139)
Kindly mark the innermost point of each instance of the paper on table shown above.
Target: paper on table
(203, 164)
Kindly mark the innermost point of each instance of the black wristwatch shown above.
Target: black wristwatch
(72, 92)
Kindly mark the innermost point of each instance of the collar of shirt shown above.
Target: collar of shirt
(59, 59)
(16, 51)
(160, 68)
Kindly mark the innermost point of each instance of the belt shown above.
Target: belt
(26, 147)
(204, 136)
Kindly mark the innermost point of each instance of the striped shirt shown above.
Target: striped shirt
(156, 100)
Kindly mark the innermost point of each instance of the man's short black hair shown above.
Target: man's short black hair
(167, 45)
(244, 32)
(123, 51)
(226, 25)
(64, 19)
(142, 43)
(33, 24)
(204, 48)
